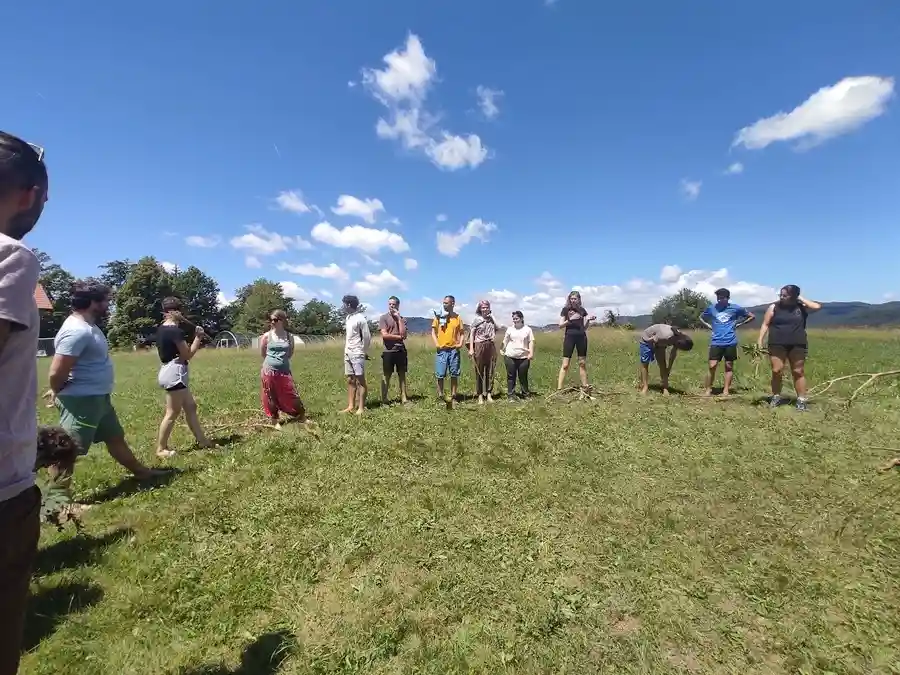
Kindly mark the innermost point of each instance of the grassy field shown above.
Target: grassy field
(628, 535)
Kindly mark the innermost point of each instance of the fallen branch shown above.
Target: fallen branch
(585, 393)
(890, 464)
(820, 389)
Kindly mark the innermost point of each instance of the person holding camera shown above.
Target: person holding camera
(175, 354)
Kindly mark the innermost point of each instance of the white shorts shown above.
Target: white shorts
(354, 365)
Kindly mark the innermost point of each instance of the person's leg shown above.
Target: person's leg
(523, 366)
(440, 371)
(715, 355)
(729, 377)
(491, 365)
(359, 372)
(286, 397)
(402, 363)
(645, 357)
(110, 431)
(568, 350)
(387, 369)
(479, 360)
(174, 404)
(79, 416)
(797, 360)
(563, 369)
(455, 364)
(581, 347)
(351, 386)
(511, 372)
(660, 356)
(193, 420)
(267, 396)
(777, 357)
(20, 527)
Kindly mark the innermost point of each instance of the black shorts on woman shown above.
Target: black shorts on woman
(575, 340)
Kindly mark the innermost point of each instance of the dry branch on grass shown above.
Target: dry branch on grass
(584, 393)
(820, 389)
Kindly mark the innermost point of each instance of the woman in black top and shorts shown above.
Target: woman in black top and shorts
(785, 323)
(174, 355)
(574, 318)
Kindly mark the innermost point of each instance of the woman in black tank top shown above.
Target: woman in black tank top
(785, 324)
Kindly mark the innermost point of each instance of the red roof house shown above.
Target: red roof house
(42, 299)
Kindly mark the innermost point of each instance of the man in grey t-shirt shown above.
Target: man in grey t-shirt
(393, 334)
(23, 192)
(653, 343)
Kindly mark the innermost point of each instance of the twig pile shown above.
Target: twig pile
(820, 389)
(55, 445)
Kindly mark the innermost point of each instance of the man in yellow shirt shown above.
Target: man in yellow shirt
(448, 336)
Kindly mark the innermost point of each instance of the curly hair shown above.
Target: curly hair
(55, 445)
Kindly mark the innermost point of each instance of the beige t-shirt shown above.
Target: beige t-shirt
(19, 272)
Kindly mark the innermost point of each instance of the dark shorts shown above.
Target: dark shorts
(392, 361)
(728, 353)
(790, 350)
(21, 527)
(90, 419)
(575, 343)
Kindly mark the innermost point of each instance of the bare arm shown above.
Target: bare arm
(187, 353)
(747, 319)
(811, 305)
(434, 335)
(461, 335)
(530, 344)
(563, 320)
(263, 344)
(764, 328)
(673, 352)
(702, 319)
(291, 344)
(402, 322)
(60, 368)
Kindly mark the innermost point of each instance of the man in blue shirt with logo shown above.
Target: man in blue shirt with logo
(723, 319)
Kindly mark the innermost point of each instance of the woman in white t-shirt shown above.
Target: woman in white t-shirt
(518, 350)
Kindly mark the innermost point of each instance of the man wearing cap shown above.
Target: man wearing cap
(723, 319)
(23, 192)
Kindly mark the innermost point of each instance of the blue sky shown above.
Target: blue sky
(602, 165)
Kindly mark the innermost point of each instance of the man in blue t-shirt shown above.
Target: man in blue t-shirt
(723, 319)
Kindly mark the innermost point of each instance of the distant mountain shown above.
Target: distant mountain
(832, 315)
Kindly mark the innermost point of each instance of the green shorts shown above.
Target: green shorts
(91, 419)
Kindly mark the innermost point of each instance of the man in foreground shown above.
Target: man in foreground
(356, 347)
(723, 319)
(448, 337)
(82, 379)
(394, 357)
(23, 192)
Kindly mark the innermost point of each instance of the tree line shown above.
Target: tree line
(139, 288)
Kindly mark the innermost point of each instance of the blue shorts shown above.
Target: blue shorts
(648, 352)
(446, 361)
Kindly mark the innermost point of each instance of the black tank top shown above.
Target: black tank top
(788, 326)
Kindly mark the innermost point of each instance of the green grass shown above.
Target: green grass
(628, 535)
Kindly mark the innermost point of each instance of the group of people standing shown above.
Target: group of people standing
(81, 373)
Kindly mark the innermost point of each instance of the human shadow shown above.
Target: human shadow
(77, 551)
(392, 403)
(763, 401)
(264, 656)
(672, 390)
(49, 607)
(132, 486)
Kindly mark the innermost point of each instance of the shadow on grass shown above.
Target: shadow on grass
(376, 403)
(49, 607)
(264, 656)
(764, 400)
(80, 550)
(672, 390)
(132, 486)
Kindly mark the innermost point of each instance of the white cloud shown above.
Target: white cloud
(455, 152)
(450, 244)
(829, 112)
(365, 209)
(292, 201)
(670, 273)
(252, 262)
(441, 217)
(410, 263)
(330, 271)
(487, 101)
(222, 299)
(168, 266)
(369, 260)
(394, 221)
(365, 239)
(294, 292)
(402, 87)
(325, 293)
(691, 188)
(630, 298)
(260, 241)
(202, 242)
(734, 169)
(375, 283)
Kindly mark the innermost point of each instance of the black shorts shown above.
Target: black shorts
(575, 343)
(177, 387)
(728, 354)
(799, 349)
(392, 361)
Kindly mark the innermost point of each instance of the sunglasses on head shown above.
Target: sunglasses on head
(38, 150)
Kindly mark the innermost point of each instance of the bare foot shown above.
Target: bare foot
(164, 453)
(644, 391)
(277, 426)
(481, 400)
(726, 393)
(490, 399)
(665, 392)
(347, 410)
(707, 393)
(360, 411)
(890, 465)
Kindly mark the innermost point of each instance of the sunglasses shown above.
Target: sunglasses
(38, 150)
(274, 319)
